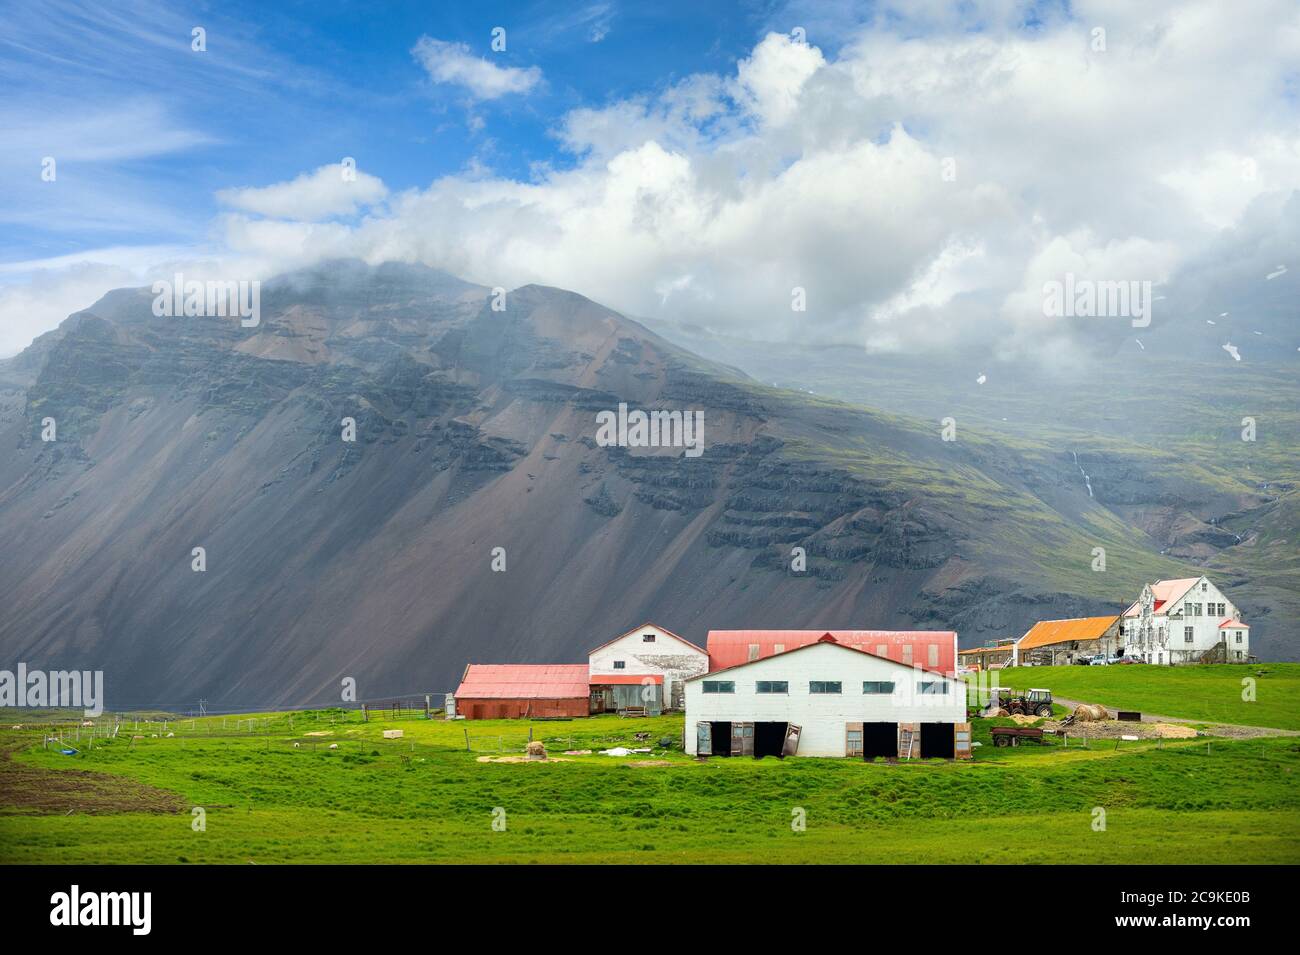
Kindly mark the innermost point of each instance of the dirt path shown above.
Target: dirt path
(1229, 730)
(35, 790)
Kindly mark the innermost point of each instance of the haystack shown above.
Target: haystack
(535, 750)
(1090, 713)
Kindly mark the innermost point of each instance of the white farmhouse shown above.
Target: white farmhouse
(1188, 620)
(644, 667)
(827, 699)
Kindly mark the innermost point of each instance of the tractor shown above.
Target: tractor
(1033, 703)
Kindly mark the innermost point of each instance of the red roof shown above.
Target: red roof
(728, 648)
(1163, 592)
(545, 681)
(625, 679)
(1231, 624)
(827, 638)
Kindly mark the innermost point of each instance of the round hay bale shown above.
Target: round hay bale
(999, 711)
(1090, 713)
(535, 750)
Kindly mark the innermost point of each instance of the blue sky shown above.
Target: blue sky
(284, 87)
(920, 167)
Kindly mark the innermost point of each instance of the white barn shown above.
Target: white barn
(827, 699)
(1183, 621)
(628, 669)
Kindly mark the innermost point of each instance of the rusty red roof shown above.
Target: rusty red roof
(625, 679)
(540, 681)
(728, 648)
(827, 637)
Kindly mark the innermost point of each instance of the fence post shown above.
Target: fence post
(467, 749)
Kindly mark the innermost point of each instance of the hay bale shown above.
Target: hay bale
(998, 711)
(1090, 713)
(535, 750)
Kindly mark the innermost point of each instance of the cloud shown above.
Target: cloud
(332, 190)
(920, 184)
(454, 64)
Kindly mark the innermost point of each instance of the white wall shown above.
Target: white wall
(666, 656)
(822, 715)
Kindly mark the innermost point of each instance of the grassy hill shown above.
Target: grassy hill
(426, 798)
(1210, 693)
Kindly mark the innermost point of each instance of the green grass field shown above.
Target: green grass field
(424, 798)
(1210, 693)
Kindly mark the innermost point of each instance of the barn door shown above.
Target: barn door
(853, 739)
(961, 740)
(791, 745)
(703, 739)
(742, 739)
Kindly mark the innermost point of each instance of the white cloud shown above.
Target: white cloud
(455, 64)
(708, 201)
(331, 190)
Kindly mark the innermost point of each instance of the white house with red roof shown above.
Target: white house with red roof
(1183, 620)
(625, 671)
(827, 698)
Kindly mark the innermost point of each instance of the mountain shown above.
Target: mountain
(476, 430)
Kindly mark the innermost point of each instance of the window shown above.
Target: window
(620, 664)
(882, 650)
(877, 686)
(824, 686)
(779, 648)
(1238, 632)
(937, 687)
(753, 651)
(1204, 586)
(648, 638)
(853, 742)
(772, 686)
(907, 654)
(719, 686)
(1188, 633)
(932, 655)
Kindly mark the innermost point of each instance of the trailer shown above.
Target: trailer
(1012, 735)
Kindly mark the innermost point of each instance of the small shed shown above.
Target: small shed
(523, 690)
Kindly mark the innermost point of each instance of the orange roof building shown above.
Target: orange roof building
(1061, 641)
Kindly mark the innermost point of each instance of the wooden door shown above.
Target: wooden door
(791, 745)
(853, 739)
(703, 739)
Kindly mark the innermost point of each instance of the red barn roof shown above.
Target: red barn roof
(545, 681)
(728, 648)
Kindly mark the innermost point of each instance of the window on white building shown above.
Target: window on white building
(824, 686)
(648, 638)
(936, 687)
(772, 686)
(877, 686)
(1188, 634)
(1238, 633)
(719, 686)
(620, 664)
(1204, 586)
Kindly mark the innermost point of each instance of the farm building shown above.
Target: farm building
(826, 698)
(1184, 621)
(991, 656)
(516, 690)
(640, 671)
(647, 666)
(1052, 642)
(932, 649)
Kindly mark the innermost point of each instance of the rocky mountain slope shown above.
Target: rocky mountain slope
(380, 559)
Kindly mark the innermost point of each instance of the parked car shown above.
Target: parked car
(1099, 660)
